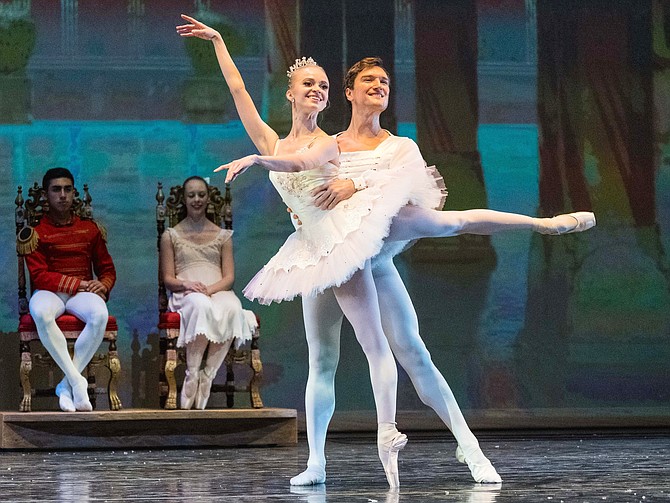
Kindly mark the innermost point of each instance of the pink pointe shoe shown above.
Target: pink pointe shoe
(566, 224)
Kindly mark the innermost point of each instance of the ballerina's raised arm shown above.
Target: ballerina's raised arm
(263, 136)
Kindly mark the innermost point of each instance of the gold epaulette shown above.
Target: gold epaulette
(26, 241)
(102, 229)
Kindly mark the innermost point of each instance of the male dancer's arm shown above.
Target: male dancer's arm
(331, 193)
(103, 267)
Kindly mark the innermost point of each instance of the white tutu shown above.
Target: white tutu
(329, 246)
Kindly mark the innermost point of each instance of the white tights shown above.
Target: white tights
(46, 306)
(323, 319)
(413, 222)
(402, 330)
(357, 299)
(195, 350)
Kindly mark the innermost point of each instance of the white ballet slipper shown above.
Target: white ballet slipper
(204, 388)
(566, 224)
(64, 394)
(80, 395)
(389, 443)
(188, 390)
(314, 475)
(482, 470)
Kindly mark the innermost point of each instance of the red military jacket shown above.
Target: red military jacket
(67, 254)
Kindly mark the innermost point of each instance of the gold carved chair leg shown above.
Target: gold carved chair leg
(114, 366)
(26, 367)
(171, 363)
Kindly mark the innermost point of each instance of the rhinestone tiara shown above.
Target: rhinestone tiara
(300, 63)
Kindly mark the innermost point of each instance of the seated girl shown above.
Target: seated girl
(198, 269)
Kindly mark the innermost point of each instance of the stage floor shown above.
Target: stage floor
(570, 467)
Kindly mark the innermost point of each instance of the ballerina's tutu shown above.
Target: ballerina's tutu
(329, 246)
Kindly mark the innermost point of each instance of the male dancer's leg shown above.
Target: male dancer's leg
(359, 303)
(323, 322)
(92, 310)
(402, 330)
(45, 307)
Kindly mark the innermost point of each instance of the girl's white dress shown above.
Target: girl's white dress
(218, 317)
(329, 246)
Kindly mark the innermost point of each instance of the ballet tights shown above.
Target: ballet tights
(45, 307)
(402, 330)
(414, 222)
(195, 378)
(323, 319)
(357, 299)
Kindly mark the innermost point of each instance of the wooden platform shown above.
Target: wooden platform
(139, 428)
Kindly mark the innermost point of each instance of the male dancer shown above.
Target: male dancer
(63, 253)
(367, 90)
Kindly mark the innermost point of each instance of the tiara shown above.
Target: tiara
(300, 63)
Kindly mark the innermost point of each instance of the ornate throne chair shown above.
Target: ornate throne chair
(219, 211)
(28, 214)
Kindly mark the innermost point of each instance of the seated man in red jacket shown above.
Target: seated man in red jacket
(68, 252)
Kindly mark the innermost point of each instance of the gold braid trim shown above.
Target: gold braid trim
(26, 241)
(102, 229)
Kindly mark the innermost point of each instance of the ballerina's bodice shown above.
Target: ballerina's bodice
(296, 188)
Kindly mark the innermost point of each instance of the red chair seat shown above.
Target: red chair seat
(169, 320)
(66, 322)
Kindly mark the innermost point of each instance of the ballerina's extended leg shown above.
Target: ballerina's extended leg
(413, 222)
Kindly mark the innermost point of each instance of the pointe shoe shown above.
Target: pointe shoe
(80, 395)
(204, 389)
(64, 394)
(314, 475)
(483, 471)
(567, 224)
(388, 454)
(188, 390)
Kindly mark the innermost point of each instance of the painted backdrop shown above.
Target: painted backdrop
(537, 107)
